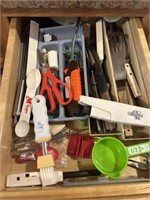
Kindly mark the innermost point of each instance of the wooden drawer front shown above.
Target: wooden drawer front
(7, 95)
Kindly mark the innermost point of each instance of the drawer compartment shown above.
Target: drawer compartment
(8, 166)
(62, 44)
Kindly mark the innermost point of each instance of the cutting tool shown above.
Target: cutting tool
(117, 112)
(52, 85)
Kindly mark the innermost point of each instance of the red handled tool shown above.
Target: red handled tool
(52, 86)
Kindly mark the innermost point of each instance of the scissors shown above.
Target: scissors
(52, 85)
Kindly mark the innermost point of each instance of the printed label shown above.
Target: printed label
(136, 114)
(143, 148)
(28, 103)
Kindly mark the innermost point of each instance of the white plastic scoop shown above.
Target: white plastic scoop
(33, 81)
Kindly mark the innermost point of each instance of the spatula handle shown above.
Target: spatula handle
(40, 119)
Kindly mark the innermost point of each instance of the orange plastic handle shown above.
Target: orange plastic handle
(76, 87)
(73, 71)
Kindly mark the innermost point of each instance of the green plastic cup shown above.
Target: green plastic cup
(110, 155)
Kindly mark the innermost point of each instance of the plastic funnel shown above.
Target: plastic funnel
(110, 156)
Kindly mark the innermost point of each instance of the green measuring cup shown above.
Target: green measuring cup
(110, 155)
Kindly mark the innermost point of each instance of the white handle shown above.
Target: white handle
(117, 112)
(132, 81)
(26, 108)
(99, 39)
(22, 127)
(32, 47)
(40, 119)
(53, 59)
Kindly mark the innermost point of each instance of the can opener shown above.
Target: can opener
(116, 112)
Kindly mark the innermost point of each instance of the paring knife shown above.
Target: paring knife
(98, 72)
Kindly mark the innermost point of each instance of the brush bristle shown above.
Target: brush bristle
(47, 176)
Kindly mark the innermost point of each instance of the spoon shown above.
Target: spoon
(33, 80)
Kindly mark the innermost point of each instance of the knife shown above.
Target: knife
(97, 70)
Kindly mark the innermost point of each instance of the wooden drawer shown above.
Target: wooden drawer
(7, 95)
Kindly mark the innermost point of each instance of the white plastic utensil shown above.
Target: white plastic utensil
(32, 47)
(40, 119)
(42, 135)
(23, 179)
(117, 112)
(132, 81)
(52, 59)
(33, 81)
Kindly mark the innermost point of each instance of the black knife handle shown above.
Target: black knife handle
(76, 174)
(99, 78)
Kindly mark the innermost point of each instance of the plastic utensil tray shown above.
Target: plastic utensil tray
(64, 35)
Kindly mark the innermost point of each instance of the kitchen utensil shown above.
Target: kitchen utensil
(74, 37)
(53, 61)
(99, 40)
(99, 123)
(132, 81)
(52, 85)
(112, 19)
(33, 81)
(138, 165)
(42, 135)
(117, 48)
(50, 150)
(130, 75)
(117, 112)
(118, 51)
(23, 179)
(33, 45)
(97, 70)
(73, 77)
(110, 156)
(80, 146)
(79, 174)
(20, 91)
(99, 56)
(28, 156)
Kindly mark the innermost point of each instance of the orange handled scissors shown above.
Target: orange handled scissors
(52, 86)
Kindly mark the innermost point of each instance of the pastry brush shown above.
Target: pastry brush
(42, 135)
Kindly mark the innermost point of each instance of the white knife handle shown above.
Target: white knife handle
(40, 119)
(132, 81)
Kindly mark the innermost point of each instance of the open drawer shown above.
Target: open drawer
(7, 164)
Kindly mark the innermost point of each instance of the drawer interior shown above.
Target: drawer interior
(7, 98)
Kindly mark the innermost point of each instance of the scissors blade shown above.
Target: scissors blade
(41, 58)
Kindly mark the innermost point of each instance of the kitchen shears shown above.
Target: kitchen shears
(52, 86)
